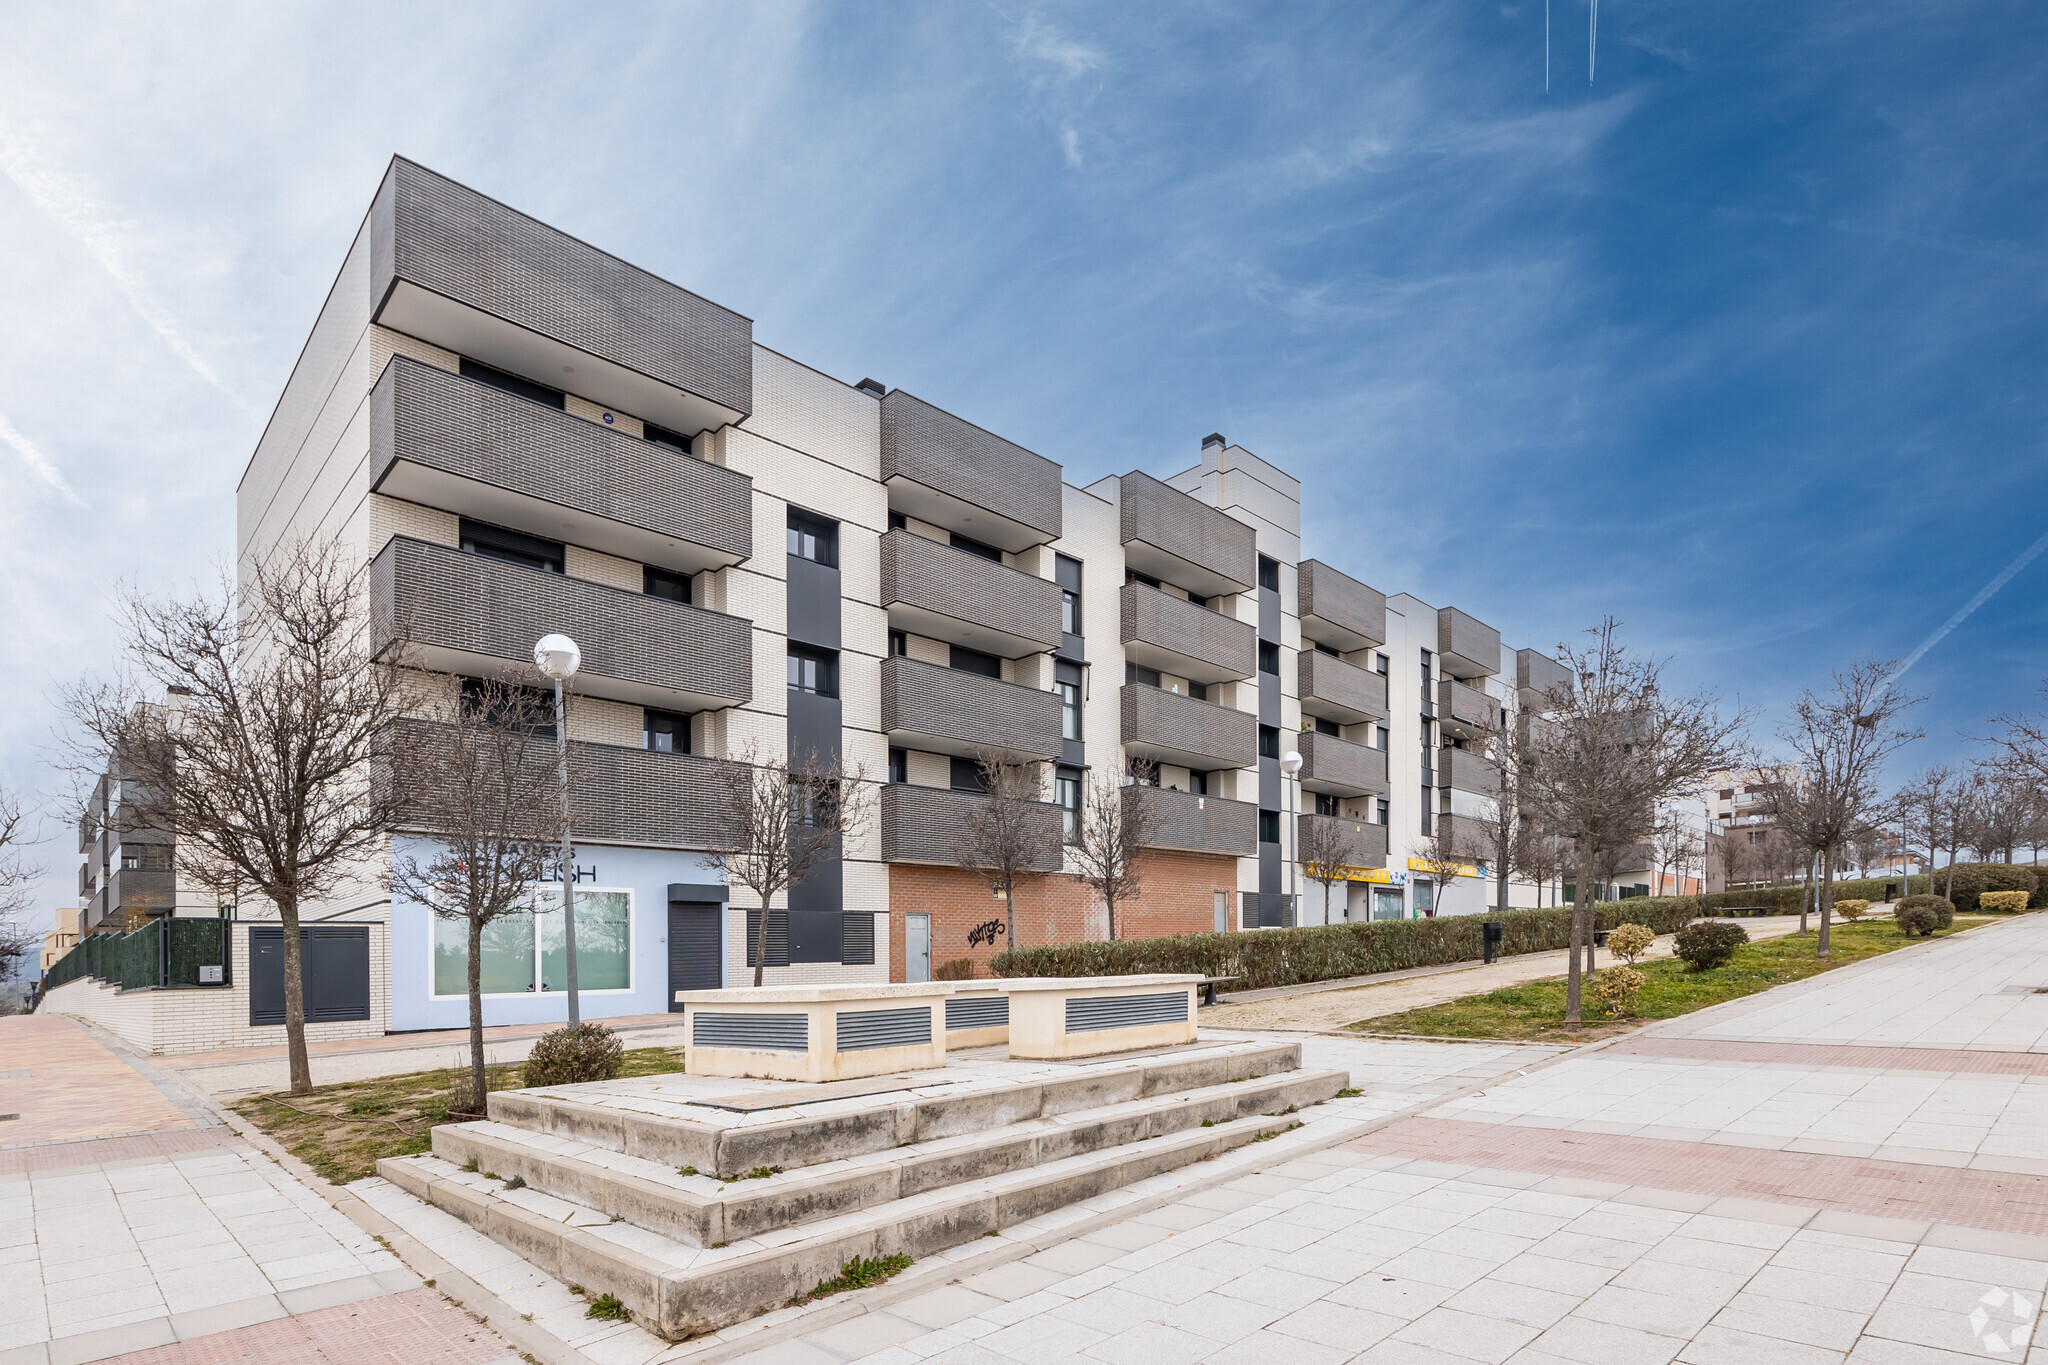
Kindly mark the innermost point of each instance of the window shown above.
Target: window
(1329, 727)
(814, 538)
(1070, 612)
(509, 707)
(1133, 673)
(1269, 657)
(899, 644)
(1198, 782)
(1199, 691)
(662, 436)
(977, 548)
(898, 522)
(1381, 810)
(899, 766)
(813, 670)
(1322, 648)
(966, 776)
(1424, 810)
(511, 383)
(668, 732)
(523, 953)
(1269, 826)
(495, 542)
(1380, 664)
(1269, 572)
(1326, 804)
(974, 661)
(662, 583)
(1133, 576)
(1379, 737)
(1269, 741)
(1066, 571)
(1066, 794)
(1070, 708)
(146, 855)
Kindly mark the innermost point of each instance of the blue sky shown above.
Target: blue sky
(1742, 341)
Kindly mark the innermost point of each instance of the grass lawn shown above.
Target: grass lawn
(1535, 1011)
(341, 1130)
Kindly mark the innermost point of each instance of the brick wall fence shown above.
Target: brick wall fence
(1179, 898)
(204, 1018)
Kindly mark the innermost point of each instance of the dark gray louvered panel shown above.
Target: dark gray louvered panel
(865, 1030)
(1092, 1014)
(752, 1032)
(987, 1012)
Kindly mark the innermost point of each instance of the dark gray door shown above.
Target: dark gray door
(335, 961)
(692, 949)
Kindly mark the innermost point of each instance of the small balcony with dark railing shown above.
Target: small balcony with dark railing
(465, 613)
(946, 594)
(1188, 822)
(1337, 610)
(924, 824)
(1169, 727)
(1334, 689)
(1338, 767)
(1178, 637)
(1360, 842)
(951, 711)
(467, 447)
(951, 473)
(1181, 540)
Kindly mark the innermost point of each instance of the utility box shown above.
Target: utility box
(1494, 932)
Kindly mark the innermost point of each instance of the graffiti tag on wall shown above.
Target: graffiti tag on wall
(985, 933)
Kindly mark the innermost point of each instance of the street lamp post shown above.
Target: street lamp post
(558, 657)
(1290, 764)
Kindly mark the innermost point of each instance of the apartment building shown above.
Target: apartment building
(518, 434)
(61, 938)
(127, 872)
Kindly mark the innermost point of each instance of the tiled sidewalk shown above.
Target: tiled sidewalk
(73, 1087)
(417, 1327)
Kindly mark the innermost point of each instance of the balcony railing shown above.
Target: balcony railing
(465, 447)
(1467, 837)
(1470, 771)
(923, 825)
(1189, 823)
(947, 594)
(1466, 648)
(951, 473)
(949, 711)
(148, 889)
(1337, 610)
(1181, 540)
(1171, 728)
(1538, 677)
(1338, 767)
(1333, 689)
(1465, 711)
(1175, 636)
(464, 613)
(1362, 843)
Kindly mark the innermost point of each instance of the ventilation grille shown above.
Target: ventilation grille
(986, 1012)
(866, 1030)
(1095, 1013)
(752, 1032)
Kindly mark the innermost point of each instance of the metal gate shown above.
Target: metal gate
(693, 963)
(334, 962)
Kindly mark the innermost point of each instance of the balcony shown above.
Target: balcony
(469, 275)
(1170, 728)
(453, 443)
(1466, 712)
(635, 797)
(150, 890)
(1363, 843)
(1180, 540)
(1539, 678)
(1332, 689)
(1187, 823)
(1175, 636)
(949, 472)
(1337, 610)
(947, 594)
(1468, 770)
(1466, 648)
(463, 613)
(1338, 767)
(948, 711)
(1467, 837)
(923, 824)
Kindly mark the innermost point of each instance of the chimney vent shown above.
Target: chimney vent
(1214, 438)
(873, 387)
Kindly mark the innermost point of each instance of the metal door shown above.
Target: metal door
(334, 962)
(693, 957)
(917, 947)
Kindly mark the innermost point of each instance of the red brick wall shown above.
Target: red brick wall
(1178, 898)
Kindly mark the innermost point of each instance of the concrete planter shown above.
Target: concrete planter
(816, 1033)
(1057, 1018)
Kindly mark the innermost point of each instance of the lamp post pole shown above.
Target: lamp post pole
(559, 658)
(1290, 765)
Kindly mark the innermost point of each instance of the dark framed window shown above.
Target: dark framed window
(1269, 826)
(1380, 664)
(1322, 648)
(1269, 572)
(666, 583)
(1326, 804)
(1269, 657)
(1382, 810)
(1425, 810)
(512, 383)
(1199, 691)
(1067, 682)
(1066, 571)
(814, 538)
(966, 775)
(899, 766)
(1329, 727)
(1070, 612)
(1133, 576)
(974, 661)
(1135, 673)
(662, 436)
(509, 707)
(668, 732)
(979, 549)
(1269, 741)
(513, 547)
(1066, 794)
(899, 644)
(898, 522)
(1198, 782)
(813, 670)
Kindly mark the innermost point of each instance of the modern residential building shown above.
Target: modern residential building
(61, 937)
(519, 434)
(128, 870)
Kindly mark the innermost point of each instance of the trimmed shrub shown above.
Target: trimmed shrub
(1782, 900)
(954, 969)
(1974, 879)
(1326, 952)
(1852, 908)
(1630, 941)
(1616, 988)
(2039, 900)
(572, 1056)
(2002, 902)
(1923, 914)
(1709, 943)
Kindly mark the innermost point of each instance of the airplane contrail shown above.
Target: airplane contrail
(39, 464)
(2005, 576)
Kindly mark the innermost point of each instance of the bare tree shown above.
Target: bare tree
(2022, 745)
(1444, 855)
(1010, 834)
(266, 773)
(18, 940)
(2002, 811)
(1119, 812)
(485, 789)
(1540, 853)
(780, 822)
(1674, 842)
(1327, 846)
(1616, 750)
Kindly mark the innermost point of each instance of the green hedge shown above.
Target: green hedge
(1291, 957)
(133, 960)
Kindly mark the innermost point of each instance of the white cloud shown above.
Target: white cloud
(39, 464)
(1038, 41)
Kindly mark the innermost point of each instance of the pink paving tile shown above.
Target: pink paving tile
(75, 1088)
(94, 1151)
(1841, 1054)
(418, 1327)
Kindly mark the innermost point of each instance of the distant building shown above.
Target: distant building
(62, 937)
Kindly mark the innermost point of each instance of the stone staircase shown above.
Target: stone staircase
(698, 1212)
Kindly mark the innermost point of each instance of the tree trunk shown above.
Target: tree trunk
(294, 998)
(761, 943)
(1582, 901)
(1805, 893)
(476, 1013)
(1010, 914)
(1827, 896)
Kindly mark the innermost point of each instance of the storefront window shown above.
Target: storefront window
(523, 952)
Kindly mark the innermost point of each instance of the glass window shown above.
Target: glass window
(507, 965)
(899, 644)
(1269, 741)
(1380, 664)
(1067, 795)
(1269, 573)
(1269, 826)
(813, 537)
(1269, 657)
(979, 549)
(662, 436)
(898, 522)
(511, 383)
(1070, 709)
(974, 661)
(510, 707)
(512, 547)
(603, 939)
(1134, 673)
(661, 583)
(668, 732)
(967, 776)
(813, 670)
(1381, 810)
(899, 766)
(1070, 612)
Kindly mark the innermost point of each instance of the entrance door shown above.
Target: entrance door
(693, 961)
(917, 947)
(1386, 902)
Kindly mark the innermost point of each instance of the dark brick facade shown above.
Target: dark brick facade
(923, 825)
(1173, 537)
(931, 447)
(947, 710)
(922, 574)
(1365, 843)
(1336, 690)
(1336, 609)
(1466, 648)
(1185, 822)
(1174, 728)
(1338, 766)
(1176, 636)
